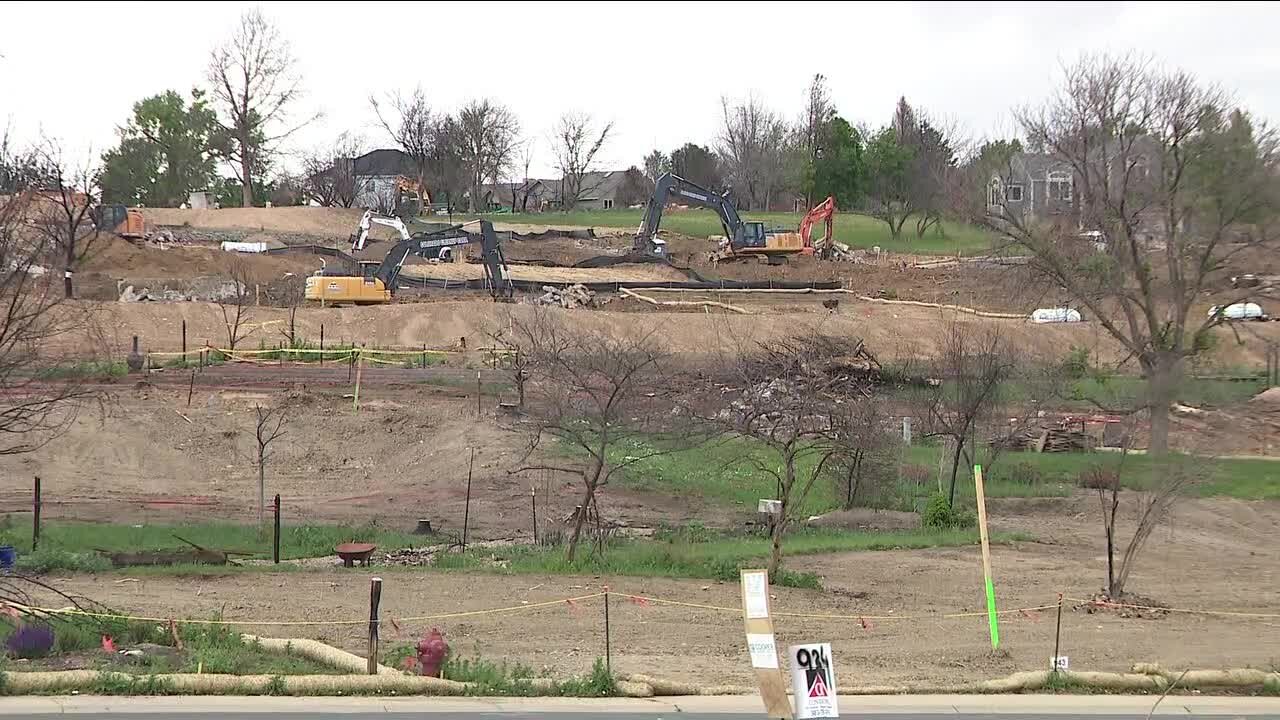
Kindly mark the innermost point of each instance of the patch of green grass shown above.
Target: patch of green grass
(88, 369)
(724, 471)
(1227, 477)
(489, 679)
(71, 545)
(709, 555)
(855, 230)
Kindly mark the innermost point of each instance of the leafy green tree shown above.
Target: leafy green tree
(889, 188)
(697, 164)
(840, 170)
(164, 152)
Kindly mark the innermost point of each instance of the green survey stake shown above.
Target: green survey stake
(981, 497)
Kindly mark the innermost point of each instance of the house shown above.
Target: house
(532, 195)
(1033, 186)
(376, 174)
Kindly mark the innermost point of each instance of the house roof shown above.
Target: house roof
(384, 162)
(1036, 166)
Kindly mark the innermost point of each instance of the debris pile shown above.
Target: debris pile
(574, 296)
(1047, 439)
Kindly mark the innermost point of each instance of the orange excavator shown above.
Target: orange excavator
(826, 211)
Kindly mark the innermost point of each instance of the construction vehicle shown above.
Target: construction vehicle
(368, 220)
(743, 239)
(123, 221)
(824, 211)
(377, 282)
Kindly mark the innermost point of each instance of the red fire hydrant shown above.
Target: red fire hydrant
(432, 650)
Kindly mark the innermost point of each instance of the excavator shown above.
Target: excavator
(440, 248)
(743, 239)
(825, 211)
(123, 221)
(377, 283)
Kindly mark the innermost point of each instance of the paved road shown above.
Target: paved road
(935, 707)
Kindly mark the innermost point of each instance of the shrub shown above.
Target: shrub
(1026, 474)
(1098, 477)
(1076, 364)
(939, 515)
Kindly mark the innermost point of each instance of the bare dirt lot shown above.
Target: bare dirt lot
(1211, 557)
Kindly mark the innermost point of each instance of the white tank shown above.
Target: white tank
(1055, 315)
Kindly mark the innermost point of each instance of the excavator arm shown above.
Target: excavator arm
(495, 264)
(673, 187)
(369, 219)
(825, 210)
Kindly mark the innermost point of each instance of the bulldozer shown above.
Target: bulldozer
(123, 221)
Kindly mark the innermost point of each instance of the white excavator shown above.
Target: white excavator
(368, 220)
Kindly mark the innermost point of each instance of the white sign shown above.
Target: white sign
(756, 585)
(1060, 662)
(764, 653)
(813, 681)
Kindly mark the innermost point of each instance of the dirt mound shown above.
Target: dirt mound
(322, 222)
(120, 258)
(1268, 399)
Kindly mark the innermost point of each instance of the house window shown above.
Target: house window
(1060, 186)
(1139, 169)
(1013, 193)
(608, 204)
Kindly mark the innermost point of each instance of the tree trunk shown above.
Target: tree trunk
(246, 175)
(1164, 375)
(262, 485)
(955, 468)
(582, 515)
(68, 289)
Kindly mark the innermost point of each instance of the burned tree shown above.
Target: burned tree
(36, 313)
(786, 395)
(329, 172)
(1175, 190)
(576, 143)
(63, 211)
(269, 427)
(592, 391)
(967, 375)
(235, 305)
(255, 83)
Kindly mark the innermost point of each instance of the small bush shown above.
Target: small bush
(1076, 364)
(1098, 477)
(30, 641)
(940, 515)
(1025, 473)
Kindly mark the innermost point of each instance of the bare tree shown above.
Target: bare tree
(411, 124)
(329, 173)
(865, 452)
(292, 295)
(576, 143)
(751, 145)
(593, 391)
(236, 307)
(968, 372)
(64, 213)
(1183, 191)
(35, 315)
(254, 83)
(655, 164)
(486, 134)
(785, 395)
(268, 428)
(1171, 479)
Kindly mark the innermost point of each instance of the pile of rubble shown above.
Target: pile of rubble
(574, 296)
(1047, 440)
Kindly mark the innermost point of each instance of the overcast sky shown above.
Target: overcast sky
(73, 70)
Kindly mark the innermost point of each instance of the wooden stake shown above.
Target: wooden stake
(321, 343)
(466, 512)
(191, 386)
(184, 341)
(359, 372)
(533, 500)
(986, 556)
(477, 393)
(275, 537)
(375, 598)
(35, 516)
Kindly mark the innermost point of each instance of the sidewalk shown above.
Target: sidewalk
(1020, 705)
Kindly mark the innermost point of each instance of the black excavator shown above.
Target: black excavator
(377, 282)
(743, 239)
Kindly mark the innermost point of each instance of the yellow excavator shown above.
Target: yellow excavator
(377, 282)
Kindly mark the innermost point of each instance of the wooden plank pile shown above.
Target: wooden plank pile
(1047, 439)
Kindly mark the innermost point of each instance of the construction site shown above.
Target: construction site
(379, 343)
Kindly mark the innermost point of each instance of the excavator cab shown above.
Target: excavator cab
(118, 219)
(753, 234)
